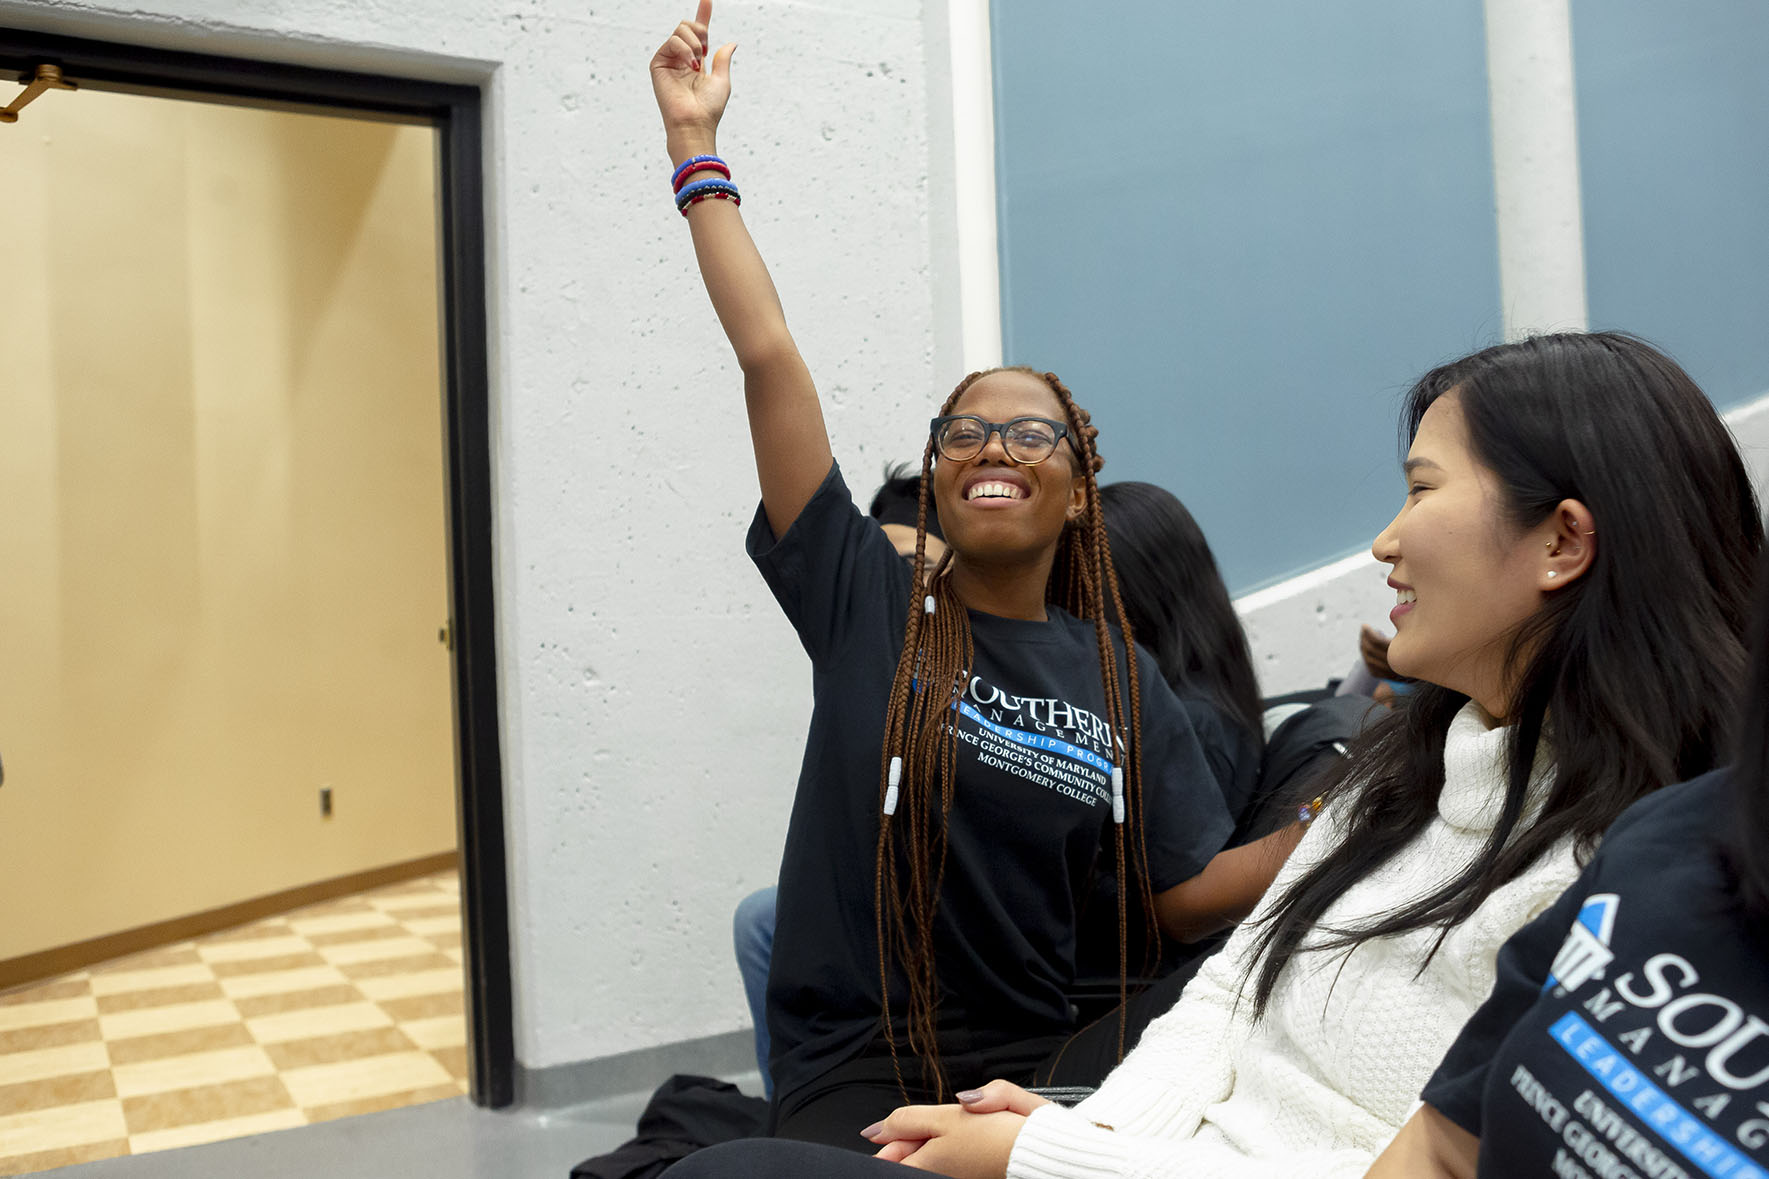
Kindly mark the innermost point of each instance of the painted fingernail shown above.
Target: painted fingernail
(872, 1129)
(966, 1096)
(695, 64)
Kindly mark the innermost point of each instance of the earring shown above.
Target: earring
(1553, 573)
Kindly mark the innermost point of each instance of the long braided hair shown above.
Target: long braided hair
(917, 768)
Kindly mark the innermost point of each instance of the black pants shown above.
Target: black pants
(835, 1107)
(1086, 1057)
(777, 1158)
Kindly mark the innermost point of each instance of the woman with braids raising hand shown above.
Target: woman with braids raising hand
(979, 732)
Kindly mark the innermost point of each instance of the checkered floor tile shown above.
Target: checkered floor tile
(342, 1008)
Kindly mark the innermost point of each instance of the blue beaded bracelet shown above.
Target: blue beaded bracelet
(694, 164)
(701, 189)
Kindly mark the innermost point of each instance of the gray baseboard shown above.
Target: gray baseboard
(729, 1055)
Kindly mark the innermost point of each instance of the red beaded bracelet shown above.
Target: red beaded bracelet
(698, 164)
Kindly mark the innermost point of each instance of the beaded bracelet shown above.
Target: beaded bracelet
(698, 164)
(700, 190)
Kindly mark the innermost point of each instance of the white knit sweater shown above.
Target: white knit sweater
(1319, 1086)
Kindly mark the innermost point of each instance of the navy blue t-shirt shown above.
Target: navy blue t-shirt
(1032, 799)
(1628, 1030)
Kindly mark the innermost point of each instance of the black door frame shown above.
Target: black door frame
(455, 112)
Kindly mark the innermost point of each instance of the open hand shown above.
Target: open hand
(691, 89)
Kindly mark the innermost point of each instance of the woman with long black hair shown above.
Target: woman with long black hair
(1629, 1026)
(1180, 611)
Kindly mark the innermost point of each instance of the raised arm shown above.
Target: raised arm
(785, 419)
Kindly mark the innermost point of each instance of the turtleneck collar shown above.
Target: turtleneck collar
(1474, 772)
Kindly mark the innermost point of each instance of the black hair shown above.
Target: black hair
(899, 497)
(1179, 608)
(1638, 661)
(1748, 854)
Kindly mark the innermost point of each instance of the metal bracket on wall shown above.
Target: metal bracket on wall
(45, 77)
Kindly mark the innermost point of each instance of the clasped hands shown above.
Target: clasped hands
(970, 1140)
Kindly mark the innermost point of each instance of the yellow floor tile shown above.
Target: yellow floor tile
(64, 1126)
(264, 947)
(423, 926)
(247, 986)
(149, 1021)
(357, 1080)
(417, 900)
(425, 1006)
(68, 986)
(34, 1015)
(448, 1031)
(205, 1103)
(63, 1090)
(155, 978)
(165, 1044)
(403, 986)
(317, 1021)
(339, 921)
(158, 997)
(176, 955)
(49, 1160)
(49, 1035)
(201, 1132)
(369, 951)
(345, 1046)
(18, 1067)
(191, 1072)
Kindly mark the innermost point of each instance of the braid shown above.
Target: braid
(1091, 555)
(918, 762)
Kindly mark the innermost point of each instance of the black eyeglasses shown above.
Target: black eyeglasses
(1028, 441)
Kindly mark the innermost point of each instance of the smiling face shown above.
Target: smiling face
(1466, 578)
(992, 508)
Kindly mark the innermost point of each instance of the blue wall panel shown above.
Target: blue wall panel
(1239, 231)
(1673, 106)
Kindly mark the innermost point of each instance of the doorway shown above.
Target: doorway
(254, 490)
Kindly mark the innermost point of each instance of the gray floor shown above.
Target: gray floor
(441, 1140)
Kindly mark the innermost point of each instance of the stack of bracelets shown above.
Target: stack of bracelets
(693, 194)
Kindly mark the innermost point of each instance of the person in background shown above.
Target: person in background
(1180, 611)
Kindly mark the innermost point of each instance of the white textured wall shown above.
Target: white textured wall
(653, 699)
